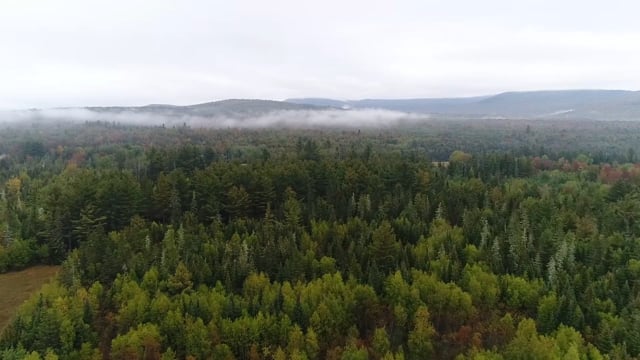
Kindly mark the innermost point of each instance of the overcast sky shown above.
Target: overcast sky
(68, 52)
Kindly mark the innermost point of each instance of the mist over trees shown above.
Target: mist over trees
(450, 239)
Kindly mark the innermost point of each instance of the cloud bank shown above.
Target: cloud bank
(361, 118)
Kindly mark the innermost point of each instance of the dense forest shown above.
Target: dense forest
(451, 239)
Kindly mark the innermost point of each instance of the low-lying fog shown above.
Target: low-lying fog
(281, 118)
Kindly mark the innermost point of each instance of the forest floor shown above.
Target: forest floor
(18, 286)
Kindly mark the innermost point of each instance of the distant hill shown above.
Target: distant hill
(588, 104)
(407, 105)
(237, 108)
(562, 104)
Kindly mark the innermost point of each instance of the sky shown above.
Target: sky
(100, 53)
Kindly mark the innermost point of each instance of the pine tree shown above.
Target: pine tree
(384, 247)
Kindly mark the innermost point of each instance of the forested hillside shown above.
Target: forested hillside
(466, 240)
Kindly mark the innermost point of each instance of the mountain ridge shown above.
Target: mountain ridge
(580, 103)
(227, 107)
(588, 104)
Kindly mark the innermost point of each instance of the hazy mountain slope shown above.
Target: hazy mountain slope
(406, 105)
(592, 104)
(578, 103)
(232, 107)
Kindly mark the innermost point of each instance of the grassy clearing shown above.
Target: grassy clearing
(18, 286)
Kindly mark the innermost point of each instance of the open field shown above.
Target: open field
(16, 287)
